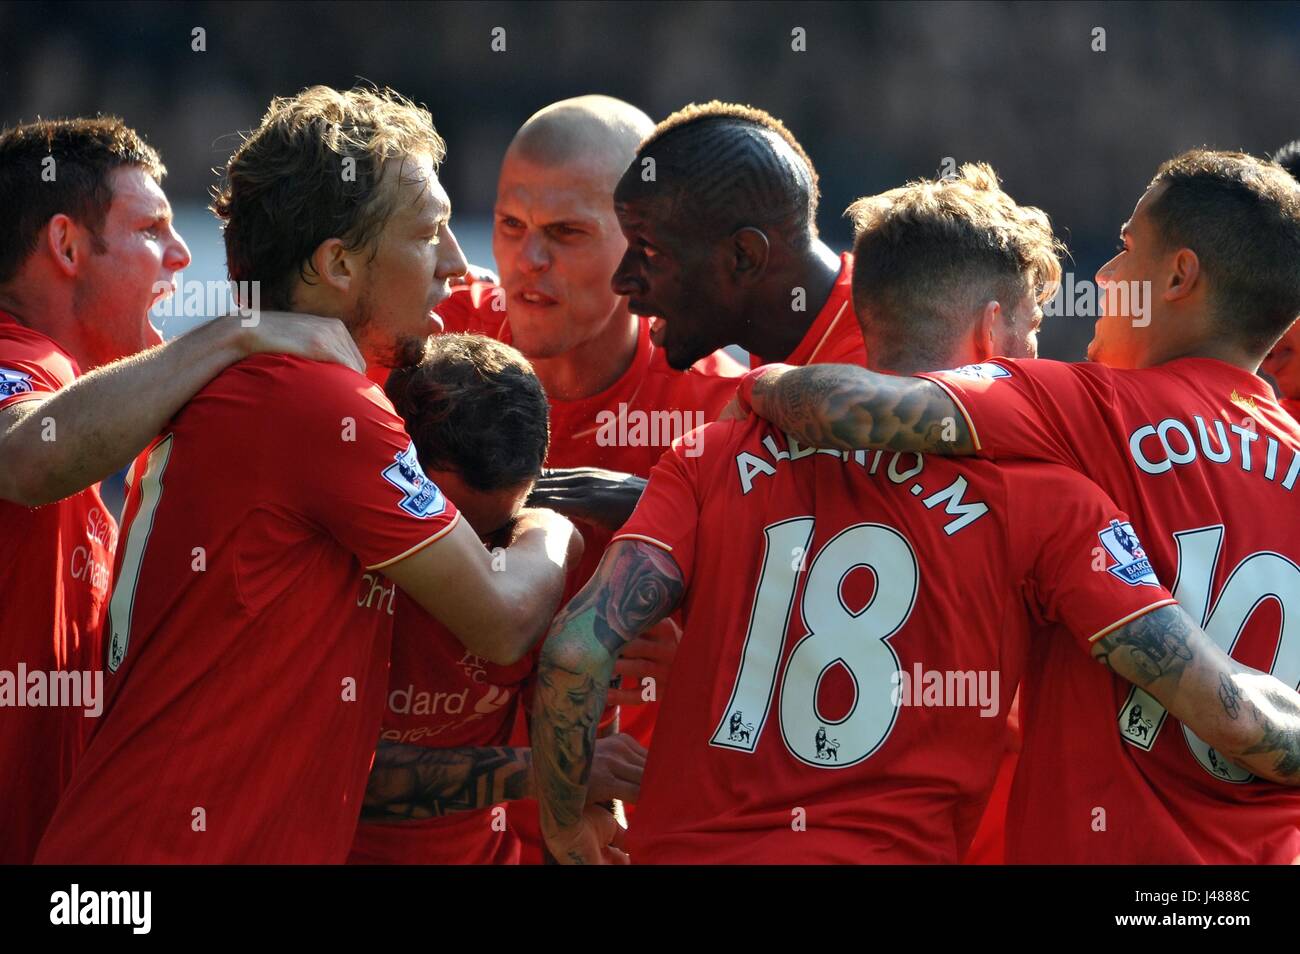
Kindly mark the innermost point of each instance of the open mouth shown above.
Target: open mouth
(534, 299)
(162, 292)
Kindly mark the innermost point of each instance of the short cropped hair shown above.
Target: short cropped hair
(33, 190)
(928, 254)
(1241, 216)
(312, 171)
(474, 406)
(723, 156)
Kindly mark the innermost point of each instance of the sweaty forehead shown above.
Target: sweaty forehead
(136, 193)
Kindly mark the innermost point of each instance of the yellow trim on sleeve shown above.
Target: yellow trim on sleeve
(970, 424)
(419, 546)
(644, 539)
(831, 327)
(1130, 617)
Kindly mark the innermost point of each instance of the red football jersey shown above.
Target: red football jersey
(248, 631)
(1200, 454)
(56, 562)
(855, 627)
(624, 428)
(442, 696)
(835, 336)
(1292, 408)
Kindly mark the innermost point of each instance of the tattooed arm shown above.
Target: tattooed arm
(415, 781)
(636, 586)
(1248, 716)
(849, 408)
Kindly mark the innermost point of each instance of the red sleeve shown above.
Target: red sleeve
(1088, 570)
(1032, 409)
(31, 367)
(668, 514)
(478, 308)
(357, 475)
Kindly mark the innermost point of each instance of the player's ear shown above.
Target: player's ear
(986, 331)
(62, 238)
(1185, 274)
(750, 250)
(335, 265)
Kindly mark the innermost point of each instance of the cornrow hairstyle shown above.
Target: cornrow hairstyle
(1288, 157)
(732, 166)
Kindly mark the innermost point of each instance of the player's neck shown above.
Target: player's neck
(779, 327)
(594, 365)
(50, 315)
(1216, 349)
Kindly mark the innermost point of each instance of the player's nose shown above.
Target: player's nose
(533, 254)
(177, 255)
(451, 257)
(626, 280)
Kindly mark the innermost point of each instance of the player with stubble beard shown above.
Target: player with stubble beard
(87, 247)
(556, 241)
(269, 524)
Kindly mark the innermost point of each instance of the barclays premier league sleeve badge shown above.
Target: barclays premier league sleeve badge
(420, 495)
(14, 382)
(987, 371)
(1131, 562)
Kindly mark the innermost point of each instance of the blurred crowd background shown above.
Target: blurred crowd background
(882, 92)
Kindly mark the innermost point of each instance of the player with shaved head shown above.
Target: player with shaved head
(615, 401)
(720, 213)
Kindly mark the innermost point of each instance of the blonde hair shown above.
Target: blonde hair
(313, 170)
(929, 253)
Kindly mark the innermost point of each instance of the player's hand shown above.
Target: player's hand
(648, 656)
(616, 769)
(603, 498)
(559, 531)
(305, 336)
(596, 839)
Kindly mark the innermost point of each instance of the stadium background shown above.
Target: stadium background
(882, 93)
